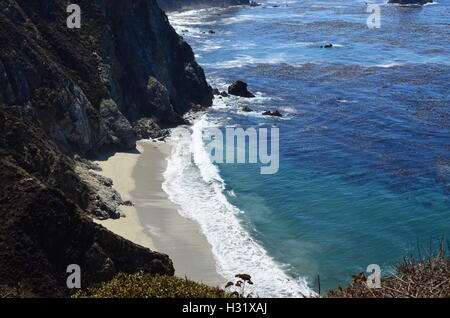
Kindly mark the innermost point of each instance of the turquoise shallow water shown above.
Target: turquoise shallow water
(365, 143)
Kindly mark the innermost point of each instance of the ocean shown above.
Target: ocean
(364, 173)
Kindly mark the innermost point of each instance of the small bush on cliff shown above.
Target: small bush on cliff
(15, 292)
(140, 285)
(425, 278)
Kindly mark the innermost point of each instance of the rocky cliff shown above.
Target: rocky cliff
(42, 229)
(171, 5)
(66, 94)
(89, 87)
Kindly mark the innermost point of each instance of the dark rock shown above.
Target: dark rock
(418, 2)
(274, 114)
(87, 164)
(247, 109)
(327, 46)
(103, 201)
(224, 94)
(239, 88)
(121, 131)
(147, 128)
(277, 114)
(215, 92)
(195, 108)
(169, 82)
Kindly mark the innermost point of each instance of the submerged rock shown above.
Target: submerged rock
(418, 2)
(239, 88)
(247, 109)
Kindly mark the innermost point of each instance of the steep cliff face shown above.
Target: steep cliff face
(89, 87)
(64, 92)
(170, 5)
(42, 230)
(153, 70)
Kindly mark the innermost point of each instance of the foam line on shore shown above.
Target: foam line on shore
(154, 221)
(193, 182)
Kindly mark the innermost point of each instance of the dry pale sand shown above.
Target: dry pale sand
(154, 221)
(119, 168)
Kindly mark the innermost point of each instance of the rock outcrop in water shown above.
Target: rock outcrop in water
(418, 2)
(273, 114)
(67, 94)
(239, 88)
(171, 5)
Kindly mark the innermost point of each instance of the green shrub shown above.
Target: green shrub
(142, 285)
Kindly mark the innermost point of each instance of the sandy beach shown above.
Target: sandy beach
(154, 221)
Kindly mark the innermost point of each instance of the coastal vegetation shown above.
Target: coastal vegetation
(426, 277)
(141, 285)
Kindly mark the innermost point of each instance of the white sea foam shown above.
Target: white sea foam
(245, 60)
(289, 109)
(388, 65)
(193, 182)
(254, 114)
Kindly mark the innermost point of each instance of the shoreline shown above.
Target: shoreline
(154, 221)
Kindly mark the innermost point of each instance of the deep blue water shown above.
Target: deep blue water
(365, 142)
